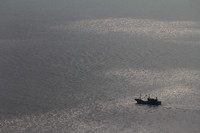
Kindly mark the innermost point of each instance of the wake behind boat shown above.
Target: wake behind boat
(149, 101)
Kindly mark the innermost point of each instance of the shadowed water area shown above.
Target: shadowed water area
(77, 66)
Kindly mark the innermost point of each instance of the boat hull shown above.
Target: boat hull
(140, 101)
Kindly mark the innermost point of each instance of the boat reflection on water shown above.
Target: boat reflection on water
(149, 101)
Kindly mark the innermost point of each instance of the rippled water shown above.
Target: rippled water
(83, 75)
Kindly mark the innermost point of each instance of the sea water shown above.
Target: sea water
(77, 66)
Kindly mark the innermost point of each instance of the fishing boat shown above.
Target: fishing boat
(149, 101)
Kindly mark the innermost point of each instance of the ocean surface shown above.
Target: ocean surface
(76, 66)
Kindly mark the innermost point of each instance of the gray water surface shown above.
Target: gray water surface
(76, 66)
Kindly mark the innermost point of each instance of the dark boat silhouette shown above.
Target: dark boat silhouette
(149, 101)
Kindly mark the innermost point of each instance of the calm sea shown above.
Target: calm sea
(76, 66)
